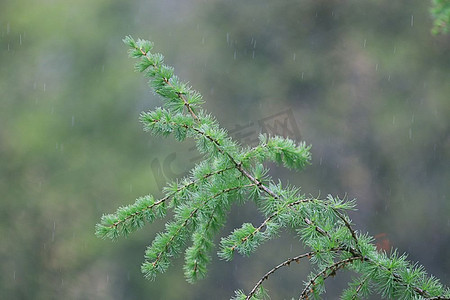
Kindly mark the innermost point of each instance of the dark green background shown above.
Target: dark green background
(366, 82)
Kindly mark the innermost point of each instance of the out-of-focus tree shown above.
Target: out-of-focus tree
(441, 14)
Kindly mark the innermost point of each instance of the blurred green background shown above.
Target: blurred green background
(365, 83)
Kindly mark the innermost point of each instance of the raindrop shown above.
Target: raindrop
(203, 40)
(20, 39)
(234, 57)
(412, 20)
(45, 87)
(254, 44)
(412, 118)
(228, 38)
(128, 276)
(320, 161)
(7, 28)
(14, 273)
(103, 68)
(395, 49)
(53, 232)
(365, 42)
(107, 278)
(376, 67)
(131, 188)
(303, 74)
(389, 78)
(410, 133)
(73, 120)
(253, 54)
(393, 120)
(294, 57)
(8, 46)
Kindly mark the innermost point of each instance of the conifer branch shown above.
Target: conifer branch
(202, 200)
(115, 225)
(285, 263)
(359, 288)
(153, 258)
(324, 274)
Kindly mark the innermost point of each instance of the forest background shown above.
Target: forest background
(365, 83)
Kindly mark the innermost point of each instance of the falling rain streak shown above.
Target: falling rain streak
(53, 232)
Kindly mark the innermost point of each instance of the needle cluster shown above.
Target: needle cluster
(230, 173)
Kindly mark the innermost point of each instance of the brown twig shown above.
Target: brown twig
(327, 272)
(283, 264)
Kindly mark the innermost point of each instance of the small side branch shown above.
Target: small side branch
(190, 218)
(167, 197)
(358, 289)
(283, 264)
(327, 272)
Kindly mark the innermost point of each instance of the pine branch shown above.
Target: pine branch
(324, 274)
(283, 264)
(168, 244)
(129, 218)
(229, 173)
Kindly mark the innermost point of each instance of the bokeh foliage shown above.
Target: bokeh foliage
(441, 14)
